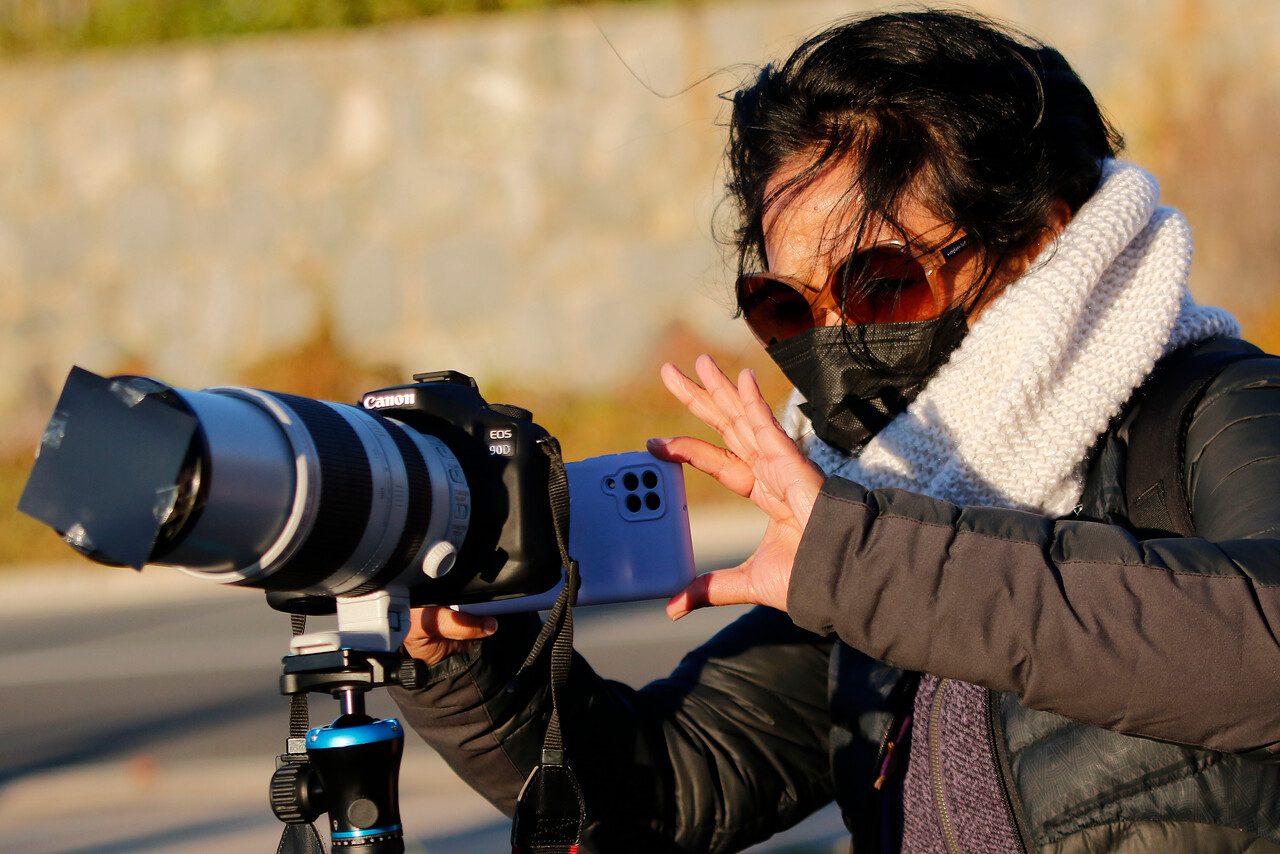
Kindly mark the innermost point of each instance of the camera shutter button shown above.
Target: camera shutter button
(439, 559)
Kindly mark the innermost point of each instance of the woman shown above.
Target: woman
(964, 642)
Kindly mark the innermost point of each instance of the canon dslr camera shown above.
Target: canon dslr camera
(422, 494)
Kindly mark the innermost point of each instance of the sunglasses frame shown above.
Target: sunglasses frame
(822, 300)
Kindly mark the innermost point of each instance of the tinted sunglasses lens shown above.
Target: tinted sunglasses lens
(774, 310)
(884, 284)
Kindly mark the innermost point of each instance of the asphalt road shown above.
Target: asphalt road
(150, 723)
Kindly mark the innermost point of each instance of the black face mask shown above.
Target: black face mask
(850, 399)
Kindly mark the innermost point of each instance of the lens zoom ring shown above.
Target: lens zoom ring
(417, 517)
(346, 496)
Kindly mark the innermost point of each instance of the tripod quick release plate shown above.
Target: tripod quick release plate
(339, 670)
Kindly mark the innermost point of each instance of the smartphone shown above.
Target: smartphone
(628, 531)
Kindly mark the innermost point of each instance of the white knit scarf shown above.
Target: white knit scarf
(1008, 420)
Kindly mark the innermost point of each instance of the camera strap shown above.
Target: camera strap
(550, 811)
(300, 835)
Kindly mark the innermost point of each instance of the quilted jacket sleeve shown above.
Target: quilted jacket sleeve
(729, 749)
(1177, 639)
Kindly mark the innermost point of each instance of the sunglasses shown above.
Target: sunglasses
(884, 283)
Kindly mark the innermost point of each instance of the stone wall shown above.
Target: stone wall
(525, 197)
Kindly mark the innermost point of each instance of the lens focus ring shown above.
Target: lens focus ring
(345, 497)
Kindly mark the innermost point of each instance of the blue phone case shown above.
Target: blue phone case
(628, 531)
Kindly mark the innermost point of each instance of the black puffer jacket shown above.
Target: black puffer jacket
(1085, 636)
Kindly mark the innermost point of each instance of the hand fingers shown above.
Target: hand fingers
(716, 403)
(728, 399)
(436, 633)
(800, 479)
(447, 624)
(754, 406)
(718, 587)
(722, 465)
(717, 385)
(753, 436)
(755, 432)
(694, 397)
(767, 434)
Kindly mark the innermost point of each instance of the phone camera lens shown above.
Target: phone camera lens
(630, 481)
(633, 503)
(652, 501)
(650, 479)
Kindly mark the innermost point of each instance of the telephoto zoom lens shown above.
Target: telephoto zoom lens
(248, 487)
(311, 496)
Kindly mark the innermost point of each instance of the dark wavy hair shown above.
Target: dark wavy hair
(983, 125)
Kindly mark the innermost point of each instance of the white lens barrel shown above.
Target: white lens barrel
(257, 485)
(313, 497)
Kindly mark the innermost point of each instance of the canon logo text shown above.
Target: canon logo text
(407, 398)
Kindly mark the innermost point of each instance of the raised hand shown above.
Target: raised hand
(760, 462)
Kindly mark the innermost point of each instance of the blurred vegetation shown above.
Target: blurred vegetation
(38, 26)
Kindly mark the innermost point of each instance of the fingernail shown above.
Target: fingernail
(489, 626)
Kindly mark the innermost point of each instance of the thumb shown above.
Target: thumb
(719, 587)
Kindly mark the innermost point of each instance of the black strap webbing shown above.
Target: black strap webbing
(550, 811)
(299, 717)
(299, 837)
(1154, 480)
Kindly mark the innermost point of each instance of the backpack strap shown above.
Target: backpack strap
(1155, 486)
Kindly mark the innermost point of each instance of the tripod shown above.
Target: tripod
(350, 768)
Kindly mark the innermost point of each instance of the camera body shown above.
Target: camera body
(500, 504)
